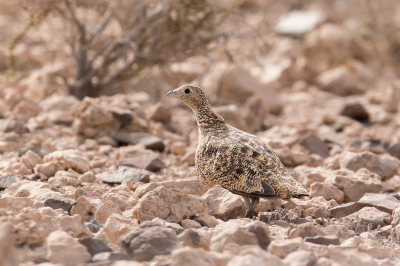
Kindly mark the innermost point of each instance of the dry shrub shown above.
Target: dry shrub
(114, 39)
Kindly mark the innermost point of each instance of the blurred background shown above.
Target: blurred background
(313, 78)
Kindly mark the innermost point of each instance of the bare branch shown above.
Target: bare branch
(103, 22)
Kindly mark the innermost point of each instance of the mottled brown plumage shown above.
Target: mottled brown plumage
(234, 159)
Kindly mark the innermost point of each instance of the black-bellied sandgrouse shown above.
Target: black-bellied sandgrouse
(236, 160)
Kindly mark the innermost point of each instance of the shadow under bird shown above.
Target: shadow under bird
(234, 159)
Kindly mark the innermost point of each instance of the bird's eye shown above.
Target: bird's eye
(187, 91)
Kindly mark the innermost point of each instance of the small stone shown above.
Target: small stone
(48, 169)
(255, 256)
(312, 143)
(94, 246)
(31, 159)
(188, 223)
(283, 247)
(112, 256)
(149, 240)
(232, 233)
(206, 220)
(339, 230)
(149, 163)
(198, 257)
(57, 202)
(72, 159)
(63, 248)
(146, 139)
(105, 211)
(171, 205)
(88, 177)
(224, 205)
(323, 240)
(327, 191)
(305, 230)
(193, 239)
(319, 213)
(126, 173)
(300, 257)
(178, 148)
(191, 186)
(94, 226)
(355, 111)
(6, 181)
(22, 151)
(84, 208)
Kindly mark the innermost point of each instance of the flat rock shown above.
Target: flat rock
(146, 139)
(7, 181)
(171, 205)
(367, 217)
(383, 166)
(148, 240)
(94, 246)
(346, 209)
(224, 205)
(126, 173)
(323, 240)
(382, 202)
(57, 202)
(312, 143)
(149, 163)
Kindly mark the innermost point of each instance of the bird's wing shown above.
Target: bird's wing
(234, 165)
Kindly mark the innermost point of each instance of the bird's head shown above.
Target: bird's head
(193, 96)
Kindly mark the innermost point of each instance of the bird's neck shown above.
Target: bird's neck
(209, 121)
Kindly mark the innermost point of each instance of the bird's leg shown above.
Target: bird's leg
(250, 212)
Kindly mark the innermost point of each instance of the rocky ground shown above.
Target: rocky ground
(111, 180)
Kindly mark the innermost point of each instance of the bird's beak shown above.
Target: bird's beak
(170, 93)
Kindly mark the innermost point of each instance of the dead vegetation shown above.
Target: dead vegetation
(117, 39)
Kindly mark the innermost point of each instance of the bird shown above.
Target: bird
(236, 160)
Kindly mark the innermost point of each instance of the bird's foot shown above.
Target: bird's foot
(251, 213)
